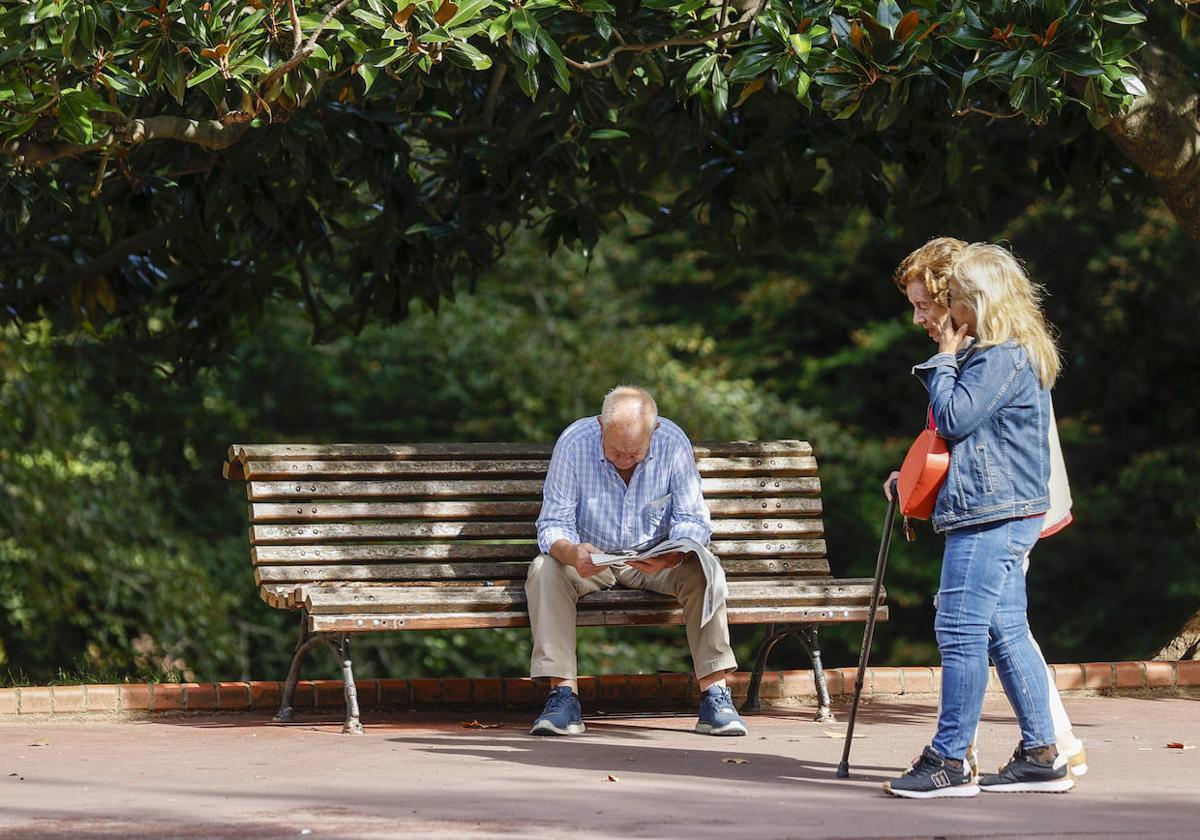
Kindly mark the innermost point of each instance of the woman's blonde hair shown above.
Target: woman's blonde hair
(990, 282)
(930, 264)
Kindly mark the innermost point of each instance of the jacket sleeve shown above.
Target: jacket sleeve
(560, 497)
(963, 398)
(689, 513)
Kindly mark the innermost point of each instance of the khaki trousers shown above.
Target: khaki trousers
(553, 590)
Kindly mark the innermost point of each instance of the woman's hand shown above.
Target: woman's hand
(887, 485)
(950, 338)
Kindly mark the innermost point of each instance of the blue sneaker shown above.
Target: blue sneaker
(717, 714)
(561, 716)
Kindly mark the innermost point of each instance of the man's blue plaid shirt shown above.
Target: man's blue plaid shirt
(585, 500)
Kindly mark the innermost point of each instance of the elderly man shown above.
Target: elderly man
(622, 480)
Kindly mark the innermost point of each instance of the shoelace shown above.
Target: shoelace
(557, 702)
(724, 701)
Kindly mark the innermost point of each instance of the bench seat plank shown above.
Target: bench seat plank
(398, 572)
(368, 622)
(321, 599)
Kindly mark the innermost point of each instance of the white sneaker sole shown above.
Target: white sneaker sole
(938, 793)
(545, 727)
(733, 728)
(1056, 786)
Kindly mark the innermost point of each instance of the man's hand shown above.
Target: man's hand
(887, 485)
(654, 565)
(581, 559)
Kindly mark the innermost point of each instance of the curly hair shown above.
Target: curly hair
(930, 264)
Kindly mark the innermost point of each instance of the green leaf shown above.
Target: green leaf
(468, 10)
(73, 117)
(369, 18)
(468, 56)
(368, 73)
(1117, 50)
(558, 63)
(1121, 13)
(1133, 84)
(698, 74)
(720, 92)
(608, 134)
(888, 14)
(1078, 63)
(203, 76)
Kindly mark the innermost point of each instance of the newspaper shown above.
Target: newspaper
(715, 588)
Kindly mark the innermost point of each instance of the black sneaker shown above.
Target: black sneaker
(933, 777)
(1031, 771)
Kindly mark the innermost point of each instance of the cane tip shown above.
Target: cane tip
(843, 771)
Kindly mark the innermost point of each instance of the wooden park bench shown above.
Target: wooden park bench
(362, 538)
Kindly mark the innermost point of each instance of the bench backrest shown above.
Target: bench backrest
(429, 514)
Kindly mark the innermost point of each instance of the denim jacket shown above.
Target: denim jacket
(994, 413)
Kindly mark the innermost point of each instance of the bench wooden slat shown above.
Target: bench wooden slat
(340, 599)
(366, 622)
(284, 470)
(264, 490)
(361, 532)
(307, 555)
(515, 570)
(322, 511)
(439, 451)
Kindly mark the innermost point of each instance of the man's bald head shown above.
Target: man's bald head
(628, 418)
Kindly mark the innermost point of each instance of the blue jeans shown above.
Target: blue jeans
(981, 613)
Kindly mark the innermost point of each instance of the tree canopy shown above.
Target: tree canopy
(168, 167)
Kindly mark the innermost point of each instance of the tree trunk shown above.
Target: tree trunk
(1186, 645)
(1161, 135)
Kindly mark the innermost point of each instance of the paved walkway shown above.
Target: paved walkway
(426, 775)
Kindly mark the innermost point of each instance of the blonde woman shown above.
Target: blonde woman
(924, 279)
(990, 399)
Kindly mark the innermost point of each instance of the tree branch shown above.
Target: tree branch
(297, 36)
(685, 41)
(211, 134)
(489, 105)
(108, 261)
(299, 56)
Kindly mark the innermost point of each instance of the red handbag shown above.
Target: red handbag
(922, 473)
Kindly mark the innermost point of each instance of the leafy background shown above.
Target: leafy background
(123, 553)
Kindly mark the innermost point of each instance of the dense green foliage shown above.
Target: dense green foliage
(168, 167)
(113, 511)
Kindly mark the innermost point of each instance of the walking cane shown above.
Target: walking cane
(885, 542)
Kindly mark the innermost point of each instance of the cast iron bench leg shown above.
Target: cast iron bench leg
(772, 638)
(808, 638)
(352, 726)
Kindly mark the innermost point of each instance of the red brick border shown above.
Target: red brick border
(455, 693)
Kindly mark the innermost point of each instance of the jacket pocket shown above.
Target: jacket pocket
(983, 469)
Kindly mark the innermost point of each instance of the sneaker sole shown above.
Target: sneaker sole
(1056, 786)
(960, 791)
(547, 728)
(734, 728)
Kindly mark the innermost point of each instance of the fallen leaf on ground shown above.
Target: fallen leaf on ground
(44, 742)
(474, 724)
(1179, 745)
(611, 778)
(830, 734)
(733, 761)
